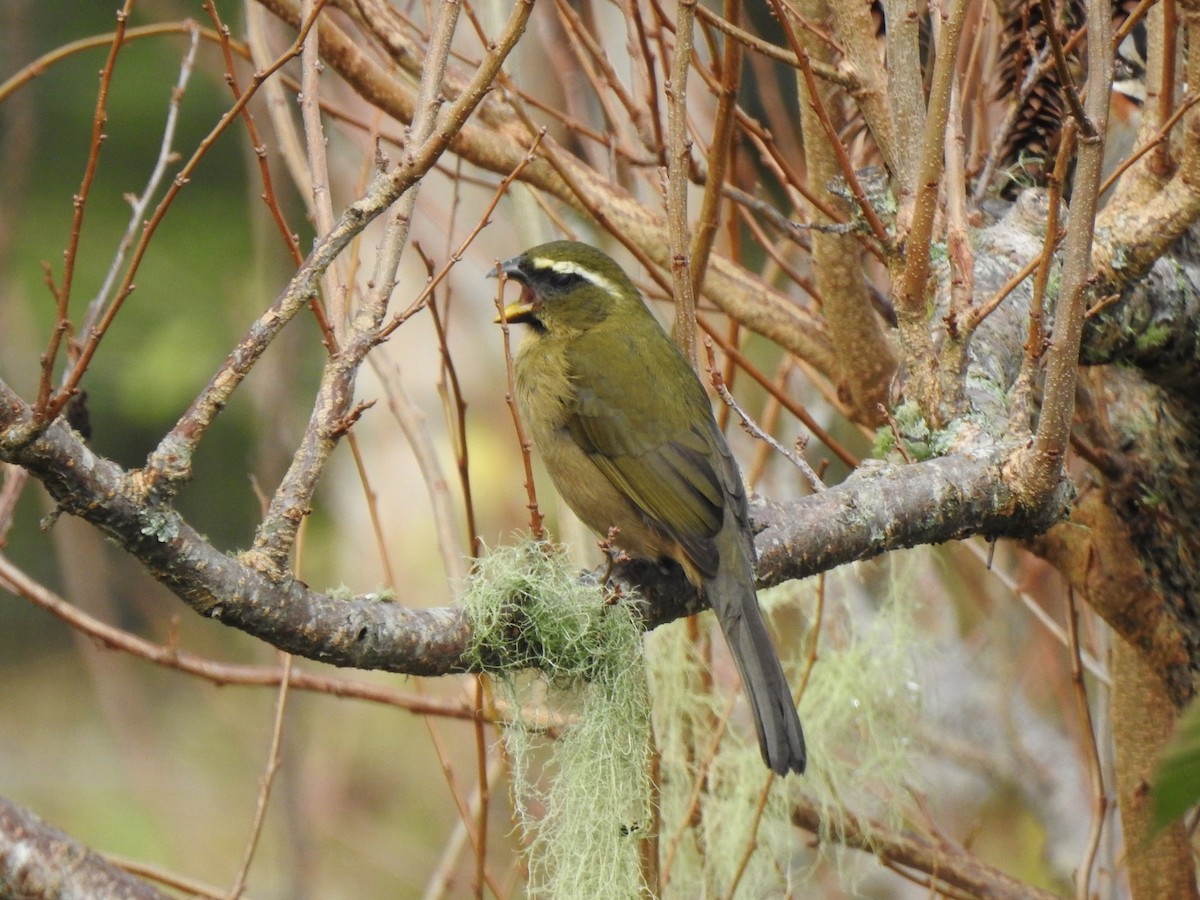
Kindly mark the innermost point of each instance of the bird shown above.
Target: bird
(627, 434)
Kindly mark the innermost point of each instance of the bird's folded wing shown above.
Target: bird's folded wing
(665, 467)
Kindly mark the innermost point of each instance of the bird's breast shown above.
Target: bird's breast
(546, 397)
(543, 386)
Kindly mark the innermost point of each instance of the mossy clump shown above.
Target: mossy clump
(530, 610)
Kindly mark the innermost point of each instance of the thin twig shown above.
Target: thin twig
(1159, 137)
(45, 407)
(466, 816)
(719, 151)
(1035, 343)
(456, 416)
(949, 866)
(1040, 466)
(783, 14)
(1093, 665)
(371, 497)
(140, 203)
(691, 808)
(679, 153)
(220, 674)
(319, 200)
(93, 338)
(789, 402)
(1083, 874)
(38, 67)
(426, 293)
(536, 530)
(265, 782)
(15, 479)
(412, 423)
(190, 887)
(718, 383)
(606, 83)
(444, 879)
(911, 290)
(760, 807)
(1049, 21)
(482, 793)
(264, 170)
(824, 71)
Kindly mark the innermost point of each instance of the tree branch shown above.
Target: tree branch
(882, 507)
(947, 864)
(37, 861)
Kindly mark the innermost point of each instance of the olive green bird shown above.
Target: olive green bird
(627, 434)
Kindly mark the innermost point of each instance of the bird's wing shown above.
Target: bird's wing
(666, 462)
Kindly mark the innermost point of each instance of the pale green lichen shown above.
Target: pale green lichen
(586, 807)
(585, 800)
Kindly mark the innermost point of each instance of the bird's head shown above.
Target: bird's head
(567, 287)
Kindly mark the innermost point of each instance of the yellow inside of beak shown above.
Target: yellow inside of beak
(517, 311)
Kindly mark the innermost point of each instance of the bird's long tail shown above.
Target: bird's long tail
(731, 593)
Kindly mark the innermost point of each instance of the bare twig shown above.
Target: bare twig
(482, 791)
(536, 530)
(1035, 342)
(718, 154)
(912, 284)
(332, 413)
(169, 656)
(783, 13)
(444, 879)
(265, 783)
(46, 408)
(824, 71)
(764, 794)
(140, 203)
(264, 170)
(468, 816)
(1050, 22)
(1040, 468)
(457, 417)
(789, 402)
(1083, 874)
(949, 866)
(34, 857)
(48, 60)
(93, 338)
(679, 153)
(718, 383)
(691, 807)
(170, 464)
(1093, 665)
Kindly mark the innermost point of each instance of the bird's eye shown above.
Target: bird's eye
(560, 280)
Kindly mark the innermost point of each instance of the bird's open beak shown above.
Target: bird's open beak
(521, 309)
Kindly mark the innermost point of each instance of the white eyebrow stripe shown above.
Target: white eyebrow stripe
(569, 267)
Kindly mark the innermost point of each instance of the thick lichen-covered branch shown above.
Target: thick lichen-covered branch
(883, 508)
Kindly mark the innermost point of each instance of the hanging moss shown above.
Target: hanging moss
(586, 808)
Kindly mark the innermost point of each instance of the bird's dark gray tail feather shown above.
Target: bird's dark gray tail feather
(779, 734)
